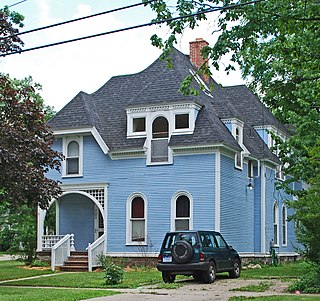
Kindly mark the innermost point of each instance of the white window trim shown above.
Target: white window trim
(240, 142)
(130, 132)
(129, 241)
(65, 142)
(285, 225)
(173, 209)
(275, 222)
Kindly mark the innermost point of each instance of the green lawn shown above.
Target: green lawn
(277, 298)
(40, 294)
(132, 279)
(14, 269)
(288, 270)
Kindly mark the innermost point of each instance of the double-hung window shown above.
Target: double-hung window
(73, 152)
(136, 220)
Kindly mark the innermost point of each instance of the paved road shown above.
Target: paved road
(194, 291)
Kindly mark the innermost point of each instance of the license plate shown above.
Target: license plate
(167, 259)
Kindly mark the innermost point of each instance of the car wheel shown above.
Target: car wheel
(168, 277)
(209, 275)
(182, 251)
(235, 273)
(197, 276)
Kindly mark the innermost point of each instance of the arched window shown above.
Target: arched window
(136, 219)
(276, 224)
(182, 213)
(160, 139)
(284, 225)
(72, 158)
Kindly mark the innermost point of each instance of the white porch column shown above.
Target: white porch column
(40, 224)
(105, 220)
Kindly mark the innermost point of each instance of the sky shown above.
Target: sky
(65, 70)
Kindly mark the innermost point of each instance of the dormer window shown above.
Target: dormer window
(235, 126)
(72, 150)
(238, 155)
(181, 121)
(138, 125)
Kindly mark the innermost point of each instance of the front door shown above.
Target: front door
(98, 223)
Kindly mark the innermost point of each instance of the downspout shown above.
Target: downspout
(263, 208)
(217, 218)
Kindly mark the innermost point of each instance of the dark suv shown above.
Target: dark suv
(198, 253)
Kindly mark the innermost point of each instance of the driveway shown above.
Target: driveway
(195, 291)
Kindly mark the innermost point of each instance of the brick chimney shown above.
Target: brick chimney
(195, 52)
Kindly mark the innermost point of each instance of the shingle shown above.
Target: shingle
(157, 84)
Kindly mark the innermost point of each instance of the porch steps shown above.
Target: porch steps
(76, 262)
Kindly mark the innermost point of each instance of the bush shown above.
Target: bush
(114, 273)
(309, 282)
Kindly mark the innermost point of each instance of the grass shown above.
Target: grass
(277, 298)
(132, 279)
(40, 294)
(283, 271)
(14, 269)
(261, 287)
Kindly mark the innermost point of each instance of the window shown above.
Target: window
(139, 125)
(73, 158)
(250, 169)
(238, 155)
(284, 225)
(72, 150)
(160, 140)
(181, 121)
(136, 220)
(220, 241)
(276, 224)
(182, 213)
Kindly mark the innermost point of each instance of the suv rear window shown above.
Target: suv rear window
(172, 238)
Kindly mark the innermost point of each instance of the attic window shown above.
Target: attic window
(181, 121)
(139, 125)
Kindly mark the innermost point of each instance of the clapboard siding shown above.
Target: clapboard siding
(193, 174)
(237, 206)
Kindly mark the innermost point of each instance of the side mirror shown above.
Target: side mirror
(230, 247)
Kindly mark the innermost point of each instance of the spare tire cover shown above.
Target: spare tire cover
(182, 251)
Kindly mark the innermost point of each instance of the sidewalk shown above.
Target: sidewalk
(5, 257)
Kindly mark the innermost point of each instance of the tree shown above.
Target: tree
(276, 44)
(25, 140)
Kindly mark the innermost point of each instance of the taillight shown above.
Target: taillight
(159, 258)
(202, 257)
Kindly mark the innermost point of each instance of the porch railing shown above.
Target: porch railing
(95, 249)
(61, 250)
(48, 241)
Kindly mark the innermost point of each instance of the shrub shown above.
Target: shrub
(309, 282)
(114, 273)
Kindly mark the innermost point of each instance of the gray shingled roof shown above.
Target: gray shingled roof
(157, 84)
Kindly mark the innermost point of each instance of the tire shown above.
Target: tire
(235, 273)
(197, 276)
(168, 278)
(182, 251)
(209, 275)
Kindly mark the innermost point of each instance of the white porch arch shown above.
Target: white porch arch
(42, 213)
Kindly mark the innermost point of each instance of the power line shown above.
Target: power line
(78, 19)
(134, 27)
(17, 3)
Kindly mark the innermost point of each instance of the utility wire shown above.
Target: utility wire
(17, 3)
(135, 27)
(75, 20)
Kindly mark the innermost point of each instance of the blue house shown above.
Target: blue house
(142, 159)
